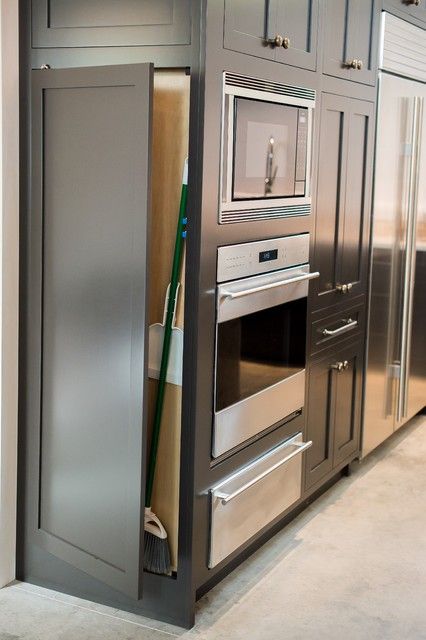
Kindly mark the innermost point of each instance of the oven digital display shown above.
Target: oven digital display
(265, 256)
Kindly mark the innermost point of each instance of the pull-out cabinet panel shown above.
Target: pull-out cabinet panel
(346, 324)
(246, 502)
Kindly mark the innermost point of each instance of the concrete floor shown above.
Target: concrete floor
(351, 567)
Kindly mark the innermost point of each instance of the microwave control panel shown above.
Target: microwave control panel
(254, 258)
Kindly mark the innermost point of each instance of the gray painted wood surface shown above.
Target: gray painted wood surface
(108, 23)
(88, 258)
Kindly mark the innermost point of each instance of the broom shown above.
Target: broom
(156, 552)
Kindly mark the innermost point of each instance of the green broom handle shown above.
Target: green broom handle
(174, 282)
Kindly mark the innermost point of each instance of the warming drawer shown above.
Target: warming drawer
(245, 502)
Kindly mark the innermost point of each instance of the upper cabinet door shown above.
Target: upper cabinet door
(246, 27)
(86, 404)
(108, 23)
(298, 22)
(351, 30)
(408, 7)
(256, 28)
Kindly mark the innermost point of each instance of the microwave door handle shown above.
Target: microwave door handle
(246, 292)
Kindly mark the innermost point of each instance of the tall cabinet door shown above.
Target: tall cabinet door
(297, 21)
(343, 199)
(332, 168)
(86, 380)
(353, 251)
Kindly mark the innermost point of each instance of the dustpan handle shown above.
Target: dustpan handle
(168, 324)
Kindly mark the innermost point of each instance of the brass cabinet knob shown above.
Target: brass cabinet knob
(415, 2)
(359, 65)
(338, 366)
(352, 64)
(277, 41)
(343, 288)
(349, 286)
(286, 43)
(345, 365)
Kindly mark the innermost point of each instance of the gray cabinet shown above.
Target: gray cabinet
(351, 39)
(407, 8)
(343, 199)
(87, 297)
(333, 410)
(250, 25)
(108, 23)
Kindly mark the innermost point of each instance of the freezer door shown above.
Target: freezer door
(414, 393)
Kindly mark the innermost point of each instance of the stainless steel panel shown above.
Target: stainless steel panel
(247, 501)
(242, 260)
(249, 417)
(392, 226)
(235, 299)
(404, 48)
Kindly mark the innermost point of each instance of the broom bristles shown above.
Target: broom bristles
(156, 557)
(156, 545)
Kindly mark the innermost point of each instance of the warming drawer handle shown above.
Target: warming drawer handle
(272, 285)
(348, 326)
(227, 497)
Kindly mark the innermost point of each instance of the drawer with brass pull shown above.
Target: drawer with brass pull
(341, 325)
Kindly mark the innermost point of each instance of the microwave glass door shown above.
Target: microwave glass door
(258, 350)
(270, 150)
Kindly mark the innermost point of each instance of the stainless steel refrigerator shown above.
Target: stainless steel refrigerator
(395, 383)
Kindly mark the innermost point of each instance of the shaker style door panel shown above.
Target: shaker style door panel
(108, 23)
(351, 29)
(246, 27)
(343, 199)
(320, 416)
(297, 21)
(354, 247)
(332, 166)
(86, 408)
(347, 417)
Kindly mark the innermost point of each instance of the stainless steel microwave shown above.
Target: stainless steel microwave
(266, 149)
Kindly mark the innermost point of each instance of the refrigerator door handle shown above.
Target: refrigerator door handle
(410, 257)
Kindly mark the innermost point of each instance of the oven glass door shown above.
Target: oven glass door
(258, 350)
(269, 150)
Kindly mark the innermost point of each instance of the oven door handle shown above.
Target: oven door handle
(246, 292)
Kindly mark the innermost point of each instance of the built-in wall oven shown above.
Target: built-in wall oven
(266, 149)
(260, 337)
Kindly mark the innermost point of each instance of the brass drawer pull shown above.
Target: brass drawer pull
(279, 41)
(348, 325)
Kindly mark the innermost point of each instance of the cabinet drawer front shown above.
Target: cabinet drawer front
(346, 324)
(250, 499)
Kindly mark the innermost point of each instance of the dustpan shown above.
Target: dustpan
(156, 339)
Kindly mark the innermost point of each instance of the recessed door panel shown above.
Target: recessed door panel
(109, 23)
(89, 220)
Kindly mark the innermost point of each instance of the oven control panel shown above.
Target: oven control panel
(253, 258)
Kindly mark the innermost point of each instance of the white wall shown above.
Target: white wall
(9, 229)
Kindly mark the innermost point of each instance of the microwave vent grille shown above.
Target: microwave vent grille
(236, 80)
(251, 215)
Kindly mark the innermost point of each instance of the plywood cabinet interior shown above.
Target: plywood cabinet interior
(170, 147)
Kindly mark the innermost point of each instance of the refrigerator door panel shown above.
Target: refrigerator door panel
(389, 255)
(416, 391)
